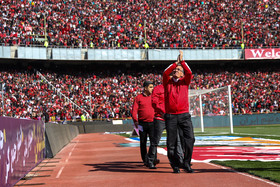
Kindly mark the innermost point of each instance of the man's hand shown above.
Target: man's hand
(181, 55)
(136, 124)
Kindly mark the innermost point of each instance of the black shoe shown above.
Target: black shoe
(157, 161)
(176, 170)
(188, 169)
(152, 166)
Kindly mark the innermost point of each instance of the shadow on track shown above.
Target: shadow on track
(125, 167)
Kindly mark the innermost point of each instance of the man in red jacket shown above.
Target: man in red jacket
(143, 116)
(176, 91)
(158, 104)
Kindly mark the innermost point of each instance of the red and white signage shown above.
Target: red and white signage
(208, 153)
(262, 53)
(28, 28)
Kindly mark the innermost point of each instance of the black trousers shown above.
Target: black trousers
(179, 123)
(159, 126)
(148, 130)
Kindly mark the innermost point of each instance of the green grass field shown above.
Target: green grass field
(266, 170)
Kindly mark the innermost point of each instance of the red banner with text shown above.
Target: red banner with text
(262, 53)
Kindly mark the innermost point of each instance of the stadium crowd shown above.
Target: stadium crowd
(125, 23)
(28, 95)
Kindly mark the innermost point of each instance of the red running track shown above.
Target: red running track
(98, 160)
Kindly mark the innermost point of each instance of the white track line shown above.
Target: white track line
(59, 172)
(244, 174)
(67, 159)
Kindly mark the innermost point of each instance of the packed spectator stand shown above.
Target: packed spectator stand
(108, 24)
(128, 23)
(26, 95)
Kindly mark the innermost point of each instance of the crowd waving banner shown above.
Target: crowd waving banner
(22, 145)
(262, 53)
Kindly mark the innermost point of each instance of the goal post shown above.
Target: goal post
(211, 110)
(230, 109)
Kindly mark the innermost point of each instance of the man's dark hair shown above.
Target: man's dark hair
(147, 83)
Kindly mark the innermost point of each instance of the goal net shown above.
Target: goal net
(211, 110)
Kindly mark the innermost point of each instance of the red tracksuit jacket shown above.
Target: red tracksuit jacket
(142, 109)
(158, 101)
(176, 92)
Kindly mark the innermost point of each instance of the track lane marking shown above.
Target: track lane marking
(66, 161)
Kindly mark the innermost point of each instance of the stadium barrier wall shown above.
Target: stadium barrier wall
(117, 54)
(104, 126)
(32, 53)
(43, 53)
(209, 121)
(256, 119)
(58, 136)
(238, 120)
(196, 54)
(5, 52)
(22, 145)
(66, 54)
